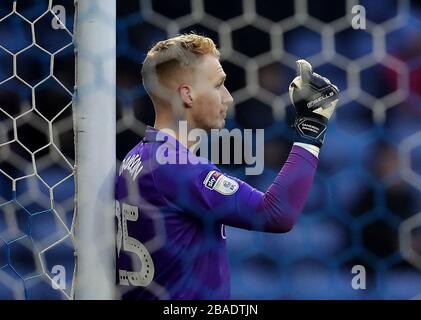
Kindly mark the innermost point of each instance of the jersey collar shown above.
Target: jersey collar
(155, 135)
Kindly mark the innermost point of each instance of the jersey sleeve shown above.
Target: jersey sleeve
(203, 192)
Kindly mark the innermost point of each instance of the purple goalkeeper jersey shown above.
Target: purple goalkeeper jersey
(171, 217)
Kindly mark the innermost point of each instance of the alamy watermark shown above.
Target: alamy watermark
(222, 144)
(59, 20)
(359, 19)
(359, 280)
(58, 282)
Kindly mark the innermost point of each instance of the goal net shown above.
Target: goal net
(58, 134)
(37, 180)
(56, 172)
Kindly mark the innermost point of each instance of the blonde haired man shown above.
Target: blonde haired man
(171, 241)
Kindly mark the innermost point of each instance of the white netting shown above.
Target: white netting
(36, 150)
(260, 42)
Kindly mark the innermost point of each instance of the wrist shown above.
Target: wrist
(310, 130)
(314, 150)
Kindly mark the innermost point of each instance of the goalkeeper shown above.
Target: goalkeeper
(171, 217)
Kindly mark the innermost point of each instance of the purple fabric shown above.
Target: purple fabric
(182, 213)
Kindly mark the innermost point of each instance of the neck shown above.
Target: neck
(172, 126)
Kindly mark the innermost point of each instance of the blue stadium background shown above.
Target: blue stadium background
(364, 189)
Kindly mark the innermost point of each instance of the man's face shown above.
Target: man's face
(211, 98)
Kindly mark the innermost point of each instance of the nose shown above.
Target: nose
(228, 99)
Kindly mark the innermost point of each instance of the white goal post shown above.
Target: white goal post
(95, 134)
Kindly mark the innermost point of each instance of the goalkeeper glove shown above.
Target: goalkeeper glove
(314, 99)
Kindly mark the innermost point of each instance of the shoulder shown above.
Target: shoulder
(182, 167)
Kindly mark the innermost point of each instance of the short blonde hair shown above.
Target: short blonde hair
(170, 56)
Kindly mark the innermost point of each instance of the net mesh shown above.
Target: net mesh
(36, 149)
(365, 204)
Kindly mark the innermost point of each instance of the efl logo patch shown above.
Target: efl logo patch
(211, 179)
(217, 181)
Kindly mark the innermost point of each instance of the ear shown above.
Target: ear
(186, 95)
